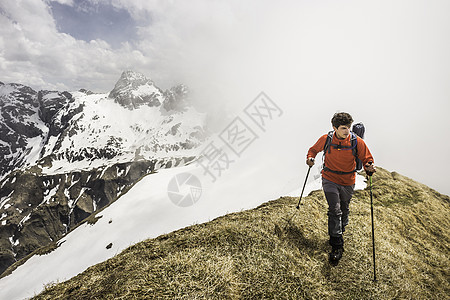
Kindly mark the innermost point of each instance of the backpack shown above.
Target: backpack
(357, 130)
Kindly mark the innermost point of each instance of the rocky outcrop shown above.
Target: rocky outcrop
(39, 209)
(18, 115)
(134, 90)
(50, 102)
(28, 119)
(176, 98)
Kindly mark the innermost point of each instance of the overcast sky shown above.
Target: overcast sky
(385, 62)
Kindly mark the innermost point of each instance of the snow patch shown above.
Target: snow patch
(24, 220)
(144, 90)
(13, 243)
(48, 194)
(4, 200)
(67, 194)
(4, 182)
(84, 189)
(120, 172)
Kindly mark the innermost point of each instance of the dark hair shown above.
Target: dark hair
(341, 118)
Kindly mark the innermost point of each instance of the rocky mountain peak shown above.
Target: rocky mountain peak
(176, 98)
(17, 94)
(133, 90)
(132, 76)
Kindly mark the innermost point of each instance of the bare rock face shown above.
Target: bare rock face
(50, 102)
(176, 98)
(28, 119)
(134, 90)
(18, 110)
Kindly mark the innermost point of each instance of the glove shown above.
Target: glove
(369, 168)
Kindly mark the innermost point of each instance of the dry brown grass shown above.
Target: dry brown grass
(257, 254)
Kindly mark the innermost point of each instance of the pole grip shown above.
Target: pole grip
(367, 172)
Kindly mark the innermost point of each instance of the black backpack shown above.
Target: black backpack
(357, 130)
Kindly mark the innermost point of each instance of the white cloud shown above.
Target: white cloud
(64, 2)
(33, 52)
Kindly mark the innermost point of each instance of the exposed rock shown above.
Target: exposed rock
(176, 98)
(18, 112)
(87, 92)
(134, 90)
(50, 102)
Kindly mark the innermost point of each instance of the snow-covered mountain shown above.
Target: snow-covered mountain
(65, 155)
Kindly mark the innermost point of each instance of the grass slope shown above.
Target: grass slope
(257, 254)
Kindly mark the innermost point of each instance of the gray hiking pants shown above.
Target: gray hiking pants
(338, 198)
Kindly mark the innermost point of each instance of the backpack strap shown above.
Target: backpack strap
(359, 164)
(354, 146)
(353, 140)
(326, 147)
(329, 144)
(337, 172)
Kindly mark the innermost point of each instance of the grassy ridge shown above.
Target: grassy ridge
(258, 254)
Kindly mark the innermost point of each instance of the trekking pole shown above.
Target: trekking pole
(298, 205)
(369, 174)
(304, 184)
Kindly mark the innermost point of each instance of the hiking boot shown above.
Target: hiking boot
(336, 255)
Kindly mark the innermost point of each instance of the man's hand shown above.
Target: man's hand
(370, 168)
(310, 161)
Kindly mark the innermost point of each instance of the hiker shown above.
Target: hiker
(338, 175)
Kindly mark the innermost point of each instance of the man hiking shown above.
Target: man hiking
(338, 175)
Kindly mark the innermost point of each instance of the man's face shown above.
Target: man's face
(343, 131)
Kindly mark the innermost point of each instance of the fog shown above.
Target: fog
(384, 62)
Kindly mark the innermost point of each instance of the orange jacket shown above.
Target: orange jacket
(341, 159)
